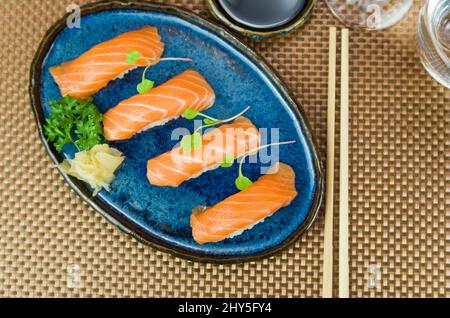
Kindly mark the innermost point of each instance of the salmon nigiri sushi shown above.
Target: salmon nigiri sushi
(94, 69)
(161, 104)
(174, 167)
(244, 209)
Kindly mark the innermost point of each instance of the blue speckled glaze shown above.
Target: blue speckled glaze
(164, 212)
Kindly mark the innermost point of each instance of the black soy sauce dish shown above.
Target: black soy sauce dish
(260, 19)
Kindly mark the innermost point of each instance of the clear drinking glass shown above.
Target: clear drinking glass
(433, 39)
(369, 14)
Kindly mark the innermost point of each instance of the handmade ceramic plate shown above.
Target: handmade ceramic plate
(160, 215)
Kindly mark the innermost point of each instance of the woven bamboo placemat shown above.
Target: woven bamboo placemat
(399, 180)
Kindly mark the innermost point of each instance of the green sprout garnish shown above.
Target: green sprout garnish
(190, 113)
(228, 161)
(194, 141)
(242, 182)
(146, 85)
(133, 57)
(189, 142)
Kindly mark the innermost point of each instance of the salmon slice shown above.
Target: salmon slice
(158, 106)
(174, 167)
(94, 69)
(244, 209)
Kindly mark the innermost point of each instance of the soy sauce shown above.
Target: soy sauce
(263, 14)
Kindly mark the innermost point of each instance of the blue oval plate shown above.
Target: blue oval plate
(159, 216)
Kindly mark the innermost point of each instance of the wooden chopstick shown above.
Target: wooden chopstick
(327, 288)
(343, 178)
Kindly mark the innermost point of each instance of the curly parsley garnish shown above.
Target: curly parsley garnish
(74, 121)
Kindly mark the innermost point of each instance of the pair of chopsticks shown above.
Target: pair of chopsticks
(343, 177)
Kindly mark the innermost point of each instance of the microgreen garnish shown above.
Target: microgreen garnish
(242, 182)
(189, 142)
(133, 57)
(208, 121)
(146, 85)
(194, 141)
(190, 113)
(74, 121)
(228, 161)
